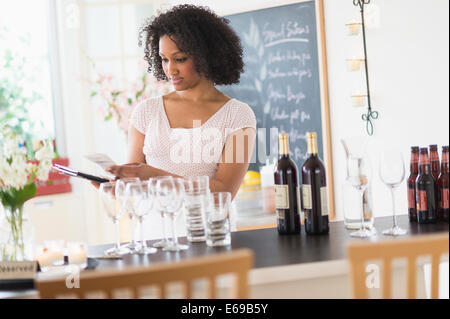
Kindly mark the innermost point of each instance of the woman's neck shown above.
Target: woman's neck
(203, 90)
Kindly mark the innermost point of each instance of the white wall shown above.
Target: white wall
(408, 67)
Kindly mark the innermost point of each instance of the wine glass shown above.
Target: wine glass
(359, 175)
(142, 201)
(113, 209)
(392, 173)
(165, 242)
(170, 195)
(121, 185)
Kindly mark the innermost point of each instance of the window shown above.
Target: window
(26, 76)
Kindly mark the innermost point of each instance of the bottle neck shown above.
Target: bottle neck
(424, 169)
(283, 148)
(434, 156)
(312, 146)
(414, 166)
(444, 163)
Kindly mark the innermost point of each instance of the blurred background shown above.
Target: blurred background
(75, 67)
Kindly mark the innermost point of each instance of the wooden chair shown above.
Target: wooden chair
(238, 262)
(410, 248)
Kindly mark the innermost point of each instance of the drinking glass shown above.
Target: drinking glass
(113, 209)
(121, 185)
(165, 242)
(142, 200)
(218, 219)
(170, 195)
(392, 173)
(196, 191)
(359, 175)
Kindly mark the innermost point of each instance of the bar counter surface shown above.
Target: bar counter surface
(271, 249)
(288, 266)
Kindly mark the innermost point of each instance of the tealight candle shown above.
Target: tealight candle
(77, 254)
(55, 251)
(354, 64)
(44, 258)
(358, 99)
(353, 28)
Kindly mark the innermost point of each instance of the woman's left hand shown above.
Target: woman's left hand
(129, 170)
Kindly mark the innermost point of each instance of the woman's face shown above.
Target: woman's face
(178, 66)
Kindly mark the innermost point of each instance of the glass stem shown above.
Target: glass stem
(175, 239)
(163, 217)
(141, 226)
(393, 206)
(133, 242)
(363, 226)
(116, 223)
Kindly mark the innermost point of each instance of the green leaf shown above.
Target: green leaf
(108, 117)
(130, 101)
(93, 93)
(15, 198)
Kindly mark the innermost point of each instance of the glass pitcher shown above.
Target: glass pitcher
(355, 147)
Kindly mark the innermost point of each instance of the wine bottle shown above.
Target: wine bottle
(314, 190)
(443, 186)
(414, 171)
(286, 190)
(425, 190)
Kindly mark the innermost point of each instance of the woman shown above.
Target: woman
(195, 130)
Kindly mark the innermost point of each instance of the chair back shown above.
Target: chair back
(133, 280)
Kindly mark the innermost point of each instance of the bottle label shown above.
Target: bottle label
(411, 198)
(280, 214)
(299, 206)
(434, 156)
(422, 203)
(444, 198)
(324, 200)
(281, 196)
(307, 199)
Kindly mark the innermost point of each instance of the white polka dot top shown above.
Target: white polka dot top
(188, 152)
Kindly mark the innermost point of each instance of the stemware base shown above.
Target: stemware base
(394, 231)
(117, 251)
(364, 233)
(176, 247)
(146, 250)
(162, 243)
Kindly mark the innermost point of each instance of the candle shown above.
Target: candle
(55, 252)
(358, 99)
(354, 64)
(44, 259)
(77, 254)
(353, 28)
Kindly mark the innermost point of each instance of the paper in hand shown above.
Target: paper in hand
(103, 161)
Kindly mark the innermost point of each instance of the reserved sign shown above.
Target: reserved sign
(17, 269)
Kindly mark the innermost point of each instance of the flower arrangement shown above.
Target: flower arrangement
(118, 104)
(18, 178)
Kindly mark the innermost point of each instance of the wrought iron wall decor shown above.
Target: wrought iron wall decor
(354, 29)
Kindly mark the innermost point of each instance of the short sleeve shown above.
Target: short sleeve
(142, 114)
(244, 117)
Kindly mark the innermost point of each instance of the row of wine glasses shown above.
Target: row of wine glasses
(359, 171)
(163, 195)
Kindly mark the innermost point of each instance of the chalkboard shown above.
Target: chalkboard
(283, 79)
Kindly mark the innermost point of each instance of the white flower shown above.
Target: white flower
(45, 152)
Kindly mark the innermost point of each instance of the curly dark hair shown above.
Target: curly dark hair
(201, 34)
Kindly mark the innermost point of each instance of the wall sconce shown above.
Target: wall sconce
(355, 65)
(353, 28)
(359, 100)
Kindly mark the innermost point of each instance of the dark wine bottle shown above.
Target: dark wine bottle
(443, 186)
(286, 190)
(414, 171)
(314, 190)
(425, 190)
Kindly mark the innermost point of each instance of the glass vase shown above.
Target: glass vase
(16, 235)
